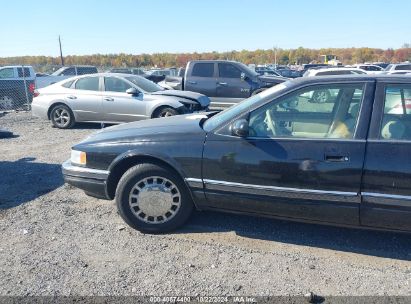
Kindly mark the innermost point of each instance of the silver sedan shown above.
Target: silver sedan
(111, 98)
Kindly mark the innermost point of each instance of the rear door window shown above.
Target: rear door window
(396, 123)
(203, 70)
(88, 84)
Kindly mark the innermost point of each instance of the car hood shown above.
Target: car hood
(272, 79)
(174, 128)
(203, 100)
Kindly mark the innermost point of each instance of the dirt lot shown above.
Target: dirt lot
(57, 241)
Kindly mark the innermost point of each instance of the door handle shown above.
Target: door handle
(336, 158)
(108, 99)
(222, 83)
(192, 82)
(71, 97)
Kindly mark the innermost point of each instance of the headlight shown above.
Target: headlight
(78, 157)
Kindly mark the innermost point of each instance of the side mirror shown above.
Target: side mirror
(243, 76)
(133, 91)
(240, 128)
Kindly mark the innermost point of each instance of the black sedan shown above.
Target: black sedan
(278, 154)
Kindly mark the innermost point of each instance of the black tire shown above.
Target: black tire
(62, 117)
(134, 215)
(258, 91)
(165, 112)
(7, 102)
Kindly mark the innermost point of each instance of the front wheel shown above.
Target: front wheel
(153, 199)
(6, 102)
(165, 112)
(62, 117)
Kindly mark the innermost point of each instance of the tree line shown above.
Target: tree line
(283, 56)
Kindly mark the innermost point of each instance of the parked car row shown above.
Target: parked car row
(277, 154)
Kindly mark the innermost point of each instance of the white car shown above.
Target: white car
(391, 68)
(369, 68)
(333, 71)
(111, 98)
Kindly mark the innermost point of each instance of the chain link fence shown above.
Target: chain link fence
(17, 87)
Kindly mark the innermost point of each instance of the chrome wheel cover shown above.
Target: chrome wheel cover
(166, 114)
(154, 200)
(61, 117)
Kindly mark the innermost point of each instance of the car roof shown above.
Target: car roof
(16, 66)
(347, 78)
(107, 74)
(336, 69)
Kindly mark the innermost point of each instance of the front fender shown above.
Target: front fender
(167, 103)
(148, 155)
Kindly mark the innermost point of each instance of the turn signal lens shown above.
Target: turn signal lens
(78, 157)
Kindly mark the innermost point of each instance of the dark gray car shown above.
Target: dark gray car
(225, 82)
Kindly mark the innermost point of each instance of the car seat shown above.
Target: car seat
(392, 128)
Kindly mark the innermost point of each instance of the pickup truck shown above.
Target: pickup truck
(224, 82)
(345, 162)
(17, 85)
(64, 73)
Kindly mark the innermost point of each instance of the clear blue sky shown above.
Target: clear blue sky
(31, 27)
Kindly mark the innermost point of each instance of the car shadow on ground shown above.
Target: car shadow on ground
(90, 126)
(24, 180)
(367, 242)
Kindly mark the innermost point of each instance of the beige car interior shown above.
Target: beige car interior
(299, 116)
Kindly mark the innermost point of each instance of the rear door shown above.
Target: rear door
(85, 99)
(202, 79)
(119, 106)
(386, 188)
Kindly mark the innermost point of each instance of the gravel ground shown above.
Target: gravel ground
(55, 240)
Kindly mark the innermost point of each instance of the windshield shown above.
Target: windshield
(59, 71)
(250, 71)
(234, 111)
(388, 67)
(145, 84)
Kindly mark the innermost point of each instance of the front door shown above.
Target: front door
(302, 159)
(119, 106)
(230, 85)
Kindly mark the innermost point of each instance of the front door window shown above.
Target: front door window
(316, 112)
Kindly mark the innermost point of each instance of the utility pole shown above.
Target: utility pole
(275, 56)
(61, 53)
